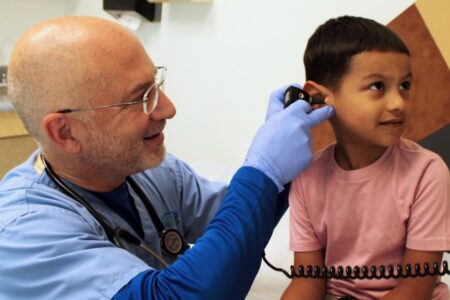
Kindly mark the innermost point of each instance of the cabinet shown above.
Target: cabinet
(15, 142)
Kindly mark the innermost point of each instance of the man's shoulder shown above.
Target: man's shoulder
(24, 191)
(21, 176)
(14, 188)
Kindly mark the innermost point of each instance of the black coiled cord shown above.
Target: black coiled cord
(364, 273)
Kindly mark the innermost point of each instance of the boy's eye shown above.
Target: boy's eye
(376, 86)
(406, 85)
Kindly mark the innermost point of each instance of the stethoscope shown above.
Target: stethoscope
(171, 241)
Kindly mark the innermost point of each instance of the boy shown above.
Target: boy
(372, 198)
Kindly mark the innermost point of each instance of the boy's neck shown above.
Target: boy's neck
(356, 156)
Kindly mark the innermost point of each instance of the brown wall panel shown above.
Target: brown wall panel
(430, 102)
(435, 15)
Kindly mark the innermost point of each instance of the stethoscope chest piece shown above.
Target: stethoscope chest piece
(172, 243)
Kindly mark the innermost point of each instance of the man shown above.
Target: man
(89, 94)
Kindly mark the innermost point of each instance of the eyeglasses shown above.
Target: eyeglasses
(149, 99)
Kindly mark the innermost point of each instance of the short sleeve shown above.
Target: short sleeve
(428, 228)
(302, 236)
(78, 262)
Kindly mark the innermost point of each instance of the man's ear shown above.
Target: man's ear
(57, 128)
(319, 91)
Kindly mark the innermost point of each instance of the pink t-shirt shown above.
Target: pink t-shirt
(368, 216)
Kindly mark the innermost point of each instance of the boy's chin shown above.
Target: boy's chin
(391, 141)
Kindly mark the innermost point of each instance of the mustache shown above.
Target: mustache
(156, 128)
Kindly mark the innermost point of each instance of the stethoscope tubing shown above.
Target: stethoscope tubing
(113, 235)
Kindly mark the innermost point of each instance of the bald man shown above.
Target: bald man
(100, 211)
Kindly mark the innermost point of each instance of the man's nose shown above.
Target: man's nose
(164, 109)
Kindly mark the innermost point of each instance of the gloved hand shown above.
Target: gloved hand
(276, 101)
(281, 148)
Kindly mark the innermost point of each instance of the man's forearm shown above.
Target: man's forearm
(224, 262)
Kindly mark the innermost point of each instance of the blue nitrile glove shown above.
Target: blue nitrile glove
(281, 148)
(276, 100)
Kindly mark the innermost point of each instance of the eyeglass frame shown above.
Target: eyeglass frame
(144, 100)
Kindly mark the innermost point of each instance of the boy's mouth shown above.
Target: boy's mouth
(392, 122)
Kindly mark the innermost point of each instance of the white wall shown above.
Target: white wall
(223, 59)
(16, 16)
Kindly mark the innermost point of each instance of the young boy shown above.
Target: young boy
(372, 198)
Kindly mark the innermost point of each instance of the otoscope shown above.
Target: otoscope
(294, 93)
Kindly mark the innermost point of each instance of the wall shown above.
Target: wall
(18, 15)
(223, 59)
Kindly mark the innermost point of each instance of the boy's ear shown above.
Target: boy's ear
(318, 91)
(57, 128)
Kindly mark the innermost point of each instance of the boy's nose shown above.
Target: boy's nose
(396, 102)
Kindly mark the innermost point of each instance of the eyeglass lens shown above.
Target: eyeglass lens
(152, 95)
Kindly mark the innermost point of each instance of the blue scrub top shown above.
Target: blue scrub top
(43, 229)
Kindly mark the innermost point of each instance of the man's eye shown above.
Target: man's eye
(376, 86)
(138, 99)
(406, 85)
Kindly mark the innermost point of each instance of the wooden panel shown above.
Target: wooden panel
(435, 14)
(13, 151)
(15, 143)
(430, 103)
(11, 125)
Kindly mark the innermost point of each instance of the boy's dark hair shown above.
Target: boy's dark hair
(330, 49)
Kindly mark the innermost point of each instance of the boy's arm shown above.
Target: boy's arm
(419, 287)
(306, 288)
